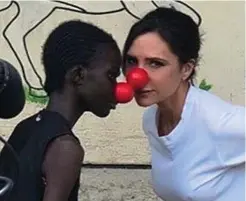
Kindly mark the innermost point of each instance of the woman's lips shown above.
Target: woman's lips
(144, 92)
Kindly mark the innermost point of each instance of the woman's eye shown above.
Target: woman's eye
(130, 61)
(155, 64)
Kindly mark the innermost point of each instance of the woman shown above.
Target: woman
(196, 139)
(81, 64)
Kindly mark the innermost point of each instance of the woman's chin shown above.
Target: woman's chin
(144, 102)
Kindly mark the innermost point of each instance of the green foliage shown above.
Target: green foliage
(204, 85)
(35, 97)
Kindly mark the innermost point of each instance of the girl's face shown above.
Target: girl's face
(94, 88)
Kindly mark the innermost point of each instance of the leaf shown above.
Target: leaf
(203, 85)
(35, 97)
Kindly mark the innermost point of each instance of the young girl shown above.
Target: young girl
(81, 64)
(196, 139)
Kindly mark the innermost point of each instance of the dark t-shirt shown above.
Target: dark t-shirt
(30, 139)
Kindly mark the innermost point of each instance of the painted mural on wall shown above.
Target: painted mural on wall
(31, 20)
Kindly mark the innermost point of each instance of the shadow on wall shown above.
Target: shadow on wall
(36, 94)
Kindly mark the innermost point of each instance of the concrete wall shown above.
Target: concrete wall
(119, 138)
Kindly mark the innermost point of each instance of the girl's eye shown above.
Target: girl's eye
(110, 76)
(113, 75)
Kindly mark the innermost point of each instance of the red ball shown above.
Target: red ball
(137, 78)
(123, 92)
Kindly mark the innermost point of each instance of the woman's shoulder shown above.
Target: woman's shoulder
(226, 124)
(212, 104)
(212, 109)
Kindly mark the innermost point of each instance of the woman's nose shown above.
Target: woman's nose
(137, 77)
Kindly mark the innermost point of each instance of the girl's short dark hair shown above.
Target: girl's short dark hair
(70, 44)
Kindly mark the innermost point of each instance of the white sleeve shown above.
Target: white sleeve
(230, 137)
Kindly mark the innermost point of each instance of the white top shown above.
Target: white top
(203, 158)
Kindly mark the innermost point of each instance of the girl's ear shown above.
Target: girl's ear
(77, 75)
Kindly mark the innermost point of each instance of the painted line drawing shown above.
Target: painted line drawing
(123, 6)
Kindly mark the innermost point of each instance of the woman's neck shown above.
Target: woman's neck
(170, 110)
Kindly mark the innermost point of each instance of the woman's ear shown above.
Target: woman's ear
(187, 69)
(77, 75)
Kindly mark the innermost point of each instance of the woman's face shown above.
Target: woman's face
(151, 52)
